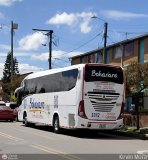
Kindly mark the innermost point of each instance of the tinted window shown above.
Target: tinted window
(62, 81)
(2, 104)
(13, 105)
(103, 73)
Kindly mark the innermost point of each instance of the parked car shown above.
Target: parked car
(6, 113)
(14, 107)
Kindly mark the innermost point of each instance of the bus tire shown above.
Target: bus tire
(25, 121)
(56, 125)
(24, 116)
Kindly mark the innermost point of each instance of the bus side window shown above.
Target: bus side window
(42, 90)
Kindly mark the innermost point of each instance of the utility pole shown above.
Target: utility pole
(105, 41)
(13, 26)
(50, 47)
(104, 36)
(49, 34)
(11, 52)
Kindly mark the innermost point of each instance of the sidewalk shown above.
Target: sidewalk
(131, 132)
(133, 135)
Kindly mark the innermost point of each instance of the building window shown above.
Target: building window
(129, 49)
(90, 58)
(107, 57)
(98, 57)
(117, 52)
(141, 51)
(83, 59)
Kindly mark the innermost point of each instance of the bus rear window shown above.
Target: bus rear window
(103, 73)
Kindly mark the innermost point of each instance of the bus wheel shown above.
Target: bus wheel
(25, 121)
(56, 125)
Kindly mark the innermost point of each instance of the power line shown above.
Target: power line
(111, 40)
(76, 49)
(56, 65)
(61, 60)
(83, 44)
(122, 32)
(99, 44)
(114, 42)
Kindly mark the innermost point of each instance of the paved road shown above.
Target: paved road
(15, 138)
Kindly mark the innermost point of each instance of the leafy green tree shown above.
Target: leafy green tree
(136, 83)
(6, 79)
(7, 69)
(136, 78)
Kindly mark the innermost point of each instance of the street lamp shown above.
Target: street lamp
(105, 36)
(13, 26)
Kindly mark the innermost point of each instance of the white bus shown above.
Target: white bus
(89, 96)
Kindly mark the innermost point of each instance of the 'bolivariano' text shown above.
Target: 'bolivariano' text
(100, 74)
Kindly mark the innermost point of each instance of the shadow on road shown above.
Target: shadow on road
(86, 134)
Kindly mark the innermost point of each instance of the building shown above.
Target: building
(121, 54)
(124, 51)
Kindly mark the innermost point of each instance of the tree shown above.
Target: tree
(7, 68)
(136, 78)
(136, 82)
(6, 79)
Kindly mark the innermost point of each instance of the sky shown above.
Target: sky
(74, 30)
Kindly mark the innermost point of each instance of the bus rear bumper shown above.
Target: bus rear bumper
(102, 125)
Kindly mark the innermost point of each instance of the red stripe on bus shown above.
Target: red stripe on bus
(103, 122)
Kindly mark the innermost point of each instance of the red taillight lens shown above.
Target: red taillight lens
(81, 111)
(121, 111)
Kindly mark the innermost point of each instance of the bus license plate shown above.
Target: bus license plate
(102, 126)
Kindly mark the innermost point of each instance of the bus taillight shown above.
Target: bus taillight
(81, 111)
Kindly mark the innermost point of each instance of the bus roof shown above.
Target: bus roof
(46, 72)
(52, 71)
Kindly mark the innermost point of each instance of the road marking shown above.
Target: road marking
(42, 149)
(47, 137)
(10, 137)
(59, 153)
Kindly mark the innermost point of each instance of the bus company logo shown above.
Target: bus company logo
(104, 75)
(25, 103)
(35, 104)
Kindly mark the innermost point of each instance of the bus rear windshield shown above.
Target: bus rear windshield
(103, 73)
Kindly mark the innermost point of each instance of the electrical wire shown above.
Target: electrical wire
(122, 32)
(111, 39)
(61, 60)
(56, 65)
(83, 44)
(75, 49)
